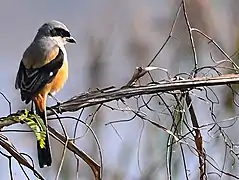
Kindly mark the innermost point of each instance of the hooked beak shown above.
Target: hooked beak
(70, 40)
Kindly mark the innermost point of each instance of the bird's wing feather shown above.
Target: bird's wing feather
(31, 80)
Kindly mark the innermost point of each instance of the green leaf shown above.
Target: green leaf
(35, 123)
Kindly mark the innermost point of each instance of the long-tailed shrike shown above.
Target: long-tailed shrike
(43, 70)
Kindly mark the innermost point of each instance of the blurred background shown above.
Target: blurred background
(115, 36)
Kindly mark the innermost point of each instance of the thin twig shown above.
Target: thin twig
(169, 36)
(197, 137)
(72, 147)
(190, 35)
(218, 47)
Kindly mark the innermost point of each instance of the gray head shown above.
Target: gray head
(55, 30)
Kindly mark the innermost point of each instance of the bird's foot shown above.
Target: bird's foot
(58, 103)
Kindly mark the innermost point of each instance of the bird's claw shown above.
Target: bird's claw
(59, 108)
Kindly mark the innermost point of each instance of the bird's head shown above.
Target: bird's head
(57, 31)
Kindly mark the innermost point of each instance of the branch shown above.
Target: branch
(56, 135)
(197, 137)
(110, 94)
(190, 35)
(101, 96)
(9, 147)
(72, 147)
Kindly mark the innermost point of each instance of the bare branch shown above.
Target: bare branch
(111, 94)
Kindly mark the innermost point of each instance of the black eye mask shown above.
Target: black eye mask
(59, 32)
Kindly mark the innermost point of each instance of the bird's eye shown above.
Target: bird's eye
(65, 33)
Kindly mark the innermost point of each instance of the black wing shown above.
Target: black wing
(31, 81)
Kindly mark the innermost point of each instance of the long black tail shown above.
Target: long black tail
(44, 154)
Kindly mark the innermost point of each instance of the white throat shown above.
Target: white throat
(61, 43)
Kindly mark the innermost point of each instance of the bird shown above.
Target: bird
(43, 71)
